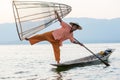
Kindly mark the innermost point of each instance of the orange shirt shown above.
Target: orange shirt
(63, 33)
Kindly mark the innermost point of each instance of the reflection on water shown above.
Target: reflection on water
(25, 62)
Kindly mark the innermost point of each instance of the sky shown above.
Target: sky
(100, 9)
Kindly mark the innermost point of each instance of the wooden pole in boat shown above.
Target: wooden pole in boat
(93, 53)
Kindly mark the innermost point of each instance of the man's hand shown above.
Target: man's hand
(57, 15)
(76, 42)
(55, 12)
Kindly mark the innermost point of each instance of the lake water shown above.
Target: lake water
(26, 62)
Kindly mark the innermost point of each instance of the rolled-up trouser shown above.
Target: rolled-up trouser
(47, 37)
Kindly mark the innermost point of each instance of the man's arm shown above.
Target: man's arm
(58, 17)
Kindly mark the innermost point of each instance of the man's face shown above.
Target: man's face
(74, 27)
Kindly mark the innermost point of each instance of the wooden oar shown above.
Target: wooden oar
(92, 53)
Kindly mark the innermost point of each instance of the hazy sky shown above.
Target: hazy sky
(103, 9)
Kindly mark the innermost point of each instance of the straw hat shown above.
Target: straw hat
(76, 24)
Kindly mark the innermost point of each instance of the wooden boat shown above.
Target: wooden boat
(89, 60)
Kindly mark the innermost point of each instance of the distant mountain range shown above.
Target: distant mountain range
(94, 31)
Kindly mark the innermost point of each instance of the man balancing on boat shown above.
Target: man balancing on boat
(56, 37)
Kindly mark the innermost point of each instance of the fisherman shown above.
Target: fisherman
(56, 37)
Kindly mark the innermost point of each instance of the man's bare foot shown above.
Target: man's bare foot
(58, 62)
(27, 39)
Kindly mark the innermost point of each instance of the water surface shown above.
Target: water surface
(26, 62)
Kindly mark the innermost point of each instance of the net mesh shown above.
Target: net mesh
(33, 16)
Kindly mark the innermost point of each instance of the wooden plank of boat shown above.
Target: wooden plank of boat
(104, 55)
